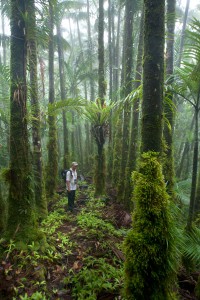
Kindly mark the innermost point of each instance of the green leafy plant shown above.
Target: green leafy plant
(34, 296)
(96, 276)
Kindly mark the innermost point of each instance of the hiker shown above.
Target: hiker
(71, 184)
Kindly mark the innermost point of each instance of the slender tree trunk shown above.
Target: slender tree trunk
(127, 89)
(183, 34)
(21, 199)
(52, 167)
(194, 167)
(90, 53)
(63, 94)
(2, 212)
(99, 177)
(116, 71)
(149, 244)
(40, 198)
(117, 150)
(185, 152)
(168, 169)
(101, 76)
(4, 37)
(152, 105)
(133, 146)
(110, 47)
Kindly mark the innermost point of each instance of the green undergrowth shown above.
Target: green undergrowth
(97, 276)
(29, 272)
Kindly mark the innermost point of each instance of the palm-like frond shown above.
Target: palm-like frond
(192, 245)
(98, 115)
(76, 104)
(187, 83)
(66, 46)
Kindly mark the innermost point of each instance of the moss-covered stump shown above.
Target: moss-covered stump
(149, 245)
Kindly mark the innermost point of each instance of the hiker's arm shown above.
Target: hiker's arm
(68, 181)
(68, 185)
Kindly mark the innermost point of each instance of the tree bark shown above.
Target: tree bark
(195, 165)
(168, 169)
(63, 94)
(21, 221)
(126, 90)
(101, 75)
(40, 198)
(153, 68)
(52, 167)
(133, 146)
(183, 34)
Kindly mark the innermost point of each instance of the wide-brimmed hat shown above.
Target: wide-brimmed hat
(74, 163)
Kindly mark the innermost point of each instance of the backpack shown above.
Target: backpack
(64, 173)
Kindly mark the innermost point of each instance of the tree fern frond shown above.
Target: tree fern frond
(76, 104)
(192, 245)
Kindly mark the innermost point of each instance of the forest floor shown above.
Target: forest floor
(84, 258)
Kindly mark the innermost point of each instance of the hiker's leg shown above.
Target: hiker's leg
(73, 199)
(70, 200)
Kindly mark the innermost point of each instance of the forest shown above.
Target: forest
(113, 86)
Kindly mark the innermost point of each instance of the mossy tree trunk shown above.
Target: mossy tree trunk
(168, 107)
(21, 212)
(183, 33)
(153, 68)
(40, 197)
(52, 167)
(90, 52)
(117, 150)
(101, 75)
(126, 90)
(99, 131)
(134, 141)
(116, 70)
(194, 166)
(2, 212)
(184, 156)
(149, 245)
(63, 95)
(99, 177)
(111, 55)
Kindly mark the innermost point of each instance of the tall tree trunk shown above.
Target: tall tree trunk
(185, 153)
(117, 150)
(152, 105)
(133, 146)
(21, 221)
(148, 246)
(195, 165)
(2, 212)
(99, 177)
(63, 94)
(110, 47)
(116, 71)
(90, 53)
(183, 34)
(168, 169)
(126, 90)
(40, 198)
(4, 37)
(101, 75)
(52, 167)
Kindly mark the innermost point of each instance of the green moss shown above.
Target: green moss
(148, 246)
(99, 177)
(2, 211)
(117, 152)
(52, 167)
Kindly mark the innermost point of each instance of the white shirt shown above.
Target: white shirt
(72, 179)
